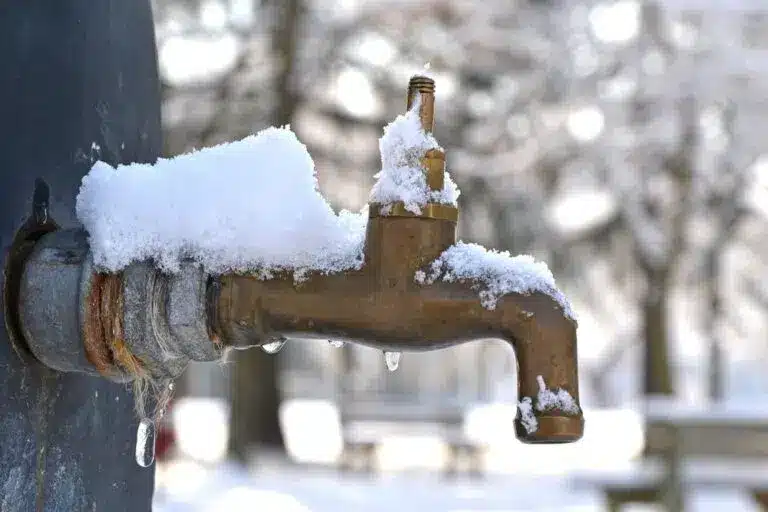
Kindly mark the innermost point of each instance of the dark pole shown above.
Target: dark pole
(78, 83)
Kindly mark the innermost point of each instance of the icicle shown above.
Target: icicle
(392, 359)
(145, 443)
(273, 347)
(336, 343)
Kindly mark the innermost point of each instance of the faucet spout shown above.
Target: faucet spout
(413, 317)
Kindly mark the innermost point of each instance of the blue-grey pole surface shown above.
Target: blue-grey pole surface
(78, 82)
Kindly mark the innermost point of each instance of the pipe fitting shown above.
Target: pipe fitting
(138, 323)
(54, 300)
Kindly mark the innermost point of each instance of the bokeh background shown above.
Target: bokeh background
(622, 142)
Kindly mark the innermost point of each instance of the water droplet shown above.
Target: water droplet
(145, 443)
(392, 359)
(336, 343)
(273, 347)
(171, 385)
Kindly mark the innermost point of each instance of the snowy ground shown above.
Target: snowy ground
(302, 491)
(521, 477)
(190, 487)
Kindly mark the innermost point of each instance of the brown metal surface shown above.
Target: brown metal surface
(382, 307)
(423, 87)
(553, 430)
(434, 167)
(433, 161)
(431, 211)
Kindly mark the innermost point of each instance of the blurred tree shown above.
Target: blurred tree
(256, 390)
(672, 156)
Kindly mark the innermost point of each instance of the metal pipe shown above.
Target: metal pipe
(139, 322)
(67, 438)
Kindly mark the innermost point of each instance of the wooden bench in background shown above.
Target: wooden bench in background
(367, 425)
(687, 447)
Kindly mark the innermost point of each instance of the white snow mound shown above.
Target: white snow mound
(250, 205)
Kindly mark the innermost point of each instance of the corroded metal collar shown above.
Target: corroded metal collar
(430, 211)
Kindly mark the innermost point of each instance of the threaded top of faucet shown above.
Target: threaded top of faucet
(424, 87)
(421, 83)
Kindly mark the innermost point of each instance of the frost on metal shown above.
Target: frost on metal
(527, 418)
(546, 400)
(246, 206)
(402, 177)
(494, 274)
(559, 400)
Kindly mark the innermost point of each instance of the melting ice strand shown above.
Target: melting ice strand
(145, 443)
(273, 347)
(392, 359)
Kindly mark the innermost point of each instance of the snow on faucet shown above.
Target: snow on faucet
(235, 246)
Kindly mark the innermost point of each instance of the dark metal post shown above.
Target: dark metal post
(79, 83)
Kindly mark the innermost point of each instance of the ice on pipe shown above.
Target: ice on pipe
(246, 206)
(145, 443)
(273, 347)
(560, 400)
(392, 360)
(527, 417)
(494, 274)
(546, 400)
(402, 177)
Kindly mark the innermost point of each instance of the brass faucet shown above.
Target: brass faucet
(145, 326)
(382, 306)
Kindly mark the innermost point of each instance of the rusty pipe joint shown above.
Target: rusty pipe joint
(137, 323)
